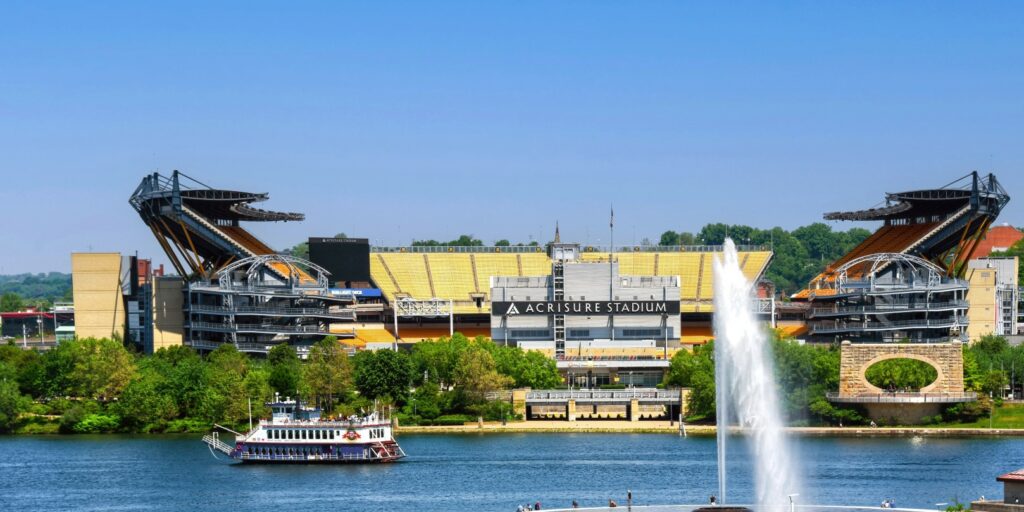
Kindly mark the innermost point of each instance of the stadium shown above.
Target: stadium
(607, 315)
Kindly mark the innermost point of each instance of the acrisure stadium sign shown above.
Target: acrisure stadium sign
(628, 307)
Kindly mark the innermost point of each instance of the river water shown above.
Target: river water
(485, 473)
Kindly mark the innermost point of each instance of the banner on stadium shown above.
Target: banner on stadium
(355, 292)
(550, 307)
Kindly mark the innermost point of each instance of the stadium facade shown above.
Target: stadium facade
(606, 314)
(906, 282)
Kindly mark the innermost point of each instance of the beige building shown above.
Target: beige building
(168, 319)
(96, 280)
(121, 296)
(993, 297)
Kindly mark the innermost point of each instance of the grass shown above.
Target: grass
(1007, 416)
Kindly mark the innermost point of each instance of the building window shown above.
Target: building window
(641, 333)
(530, 333)
(579, 333)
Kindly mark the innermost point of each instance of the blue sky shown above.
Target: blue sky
(402, 120)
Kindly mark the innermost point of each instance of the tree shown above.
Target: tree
(502, 243)
(327, 372)
(437, 359)
(12, 404)
(383, 373)
(526, 368)
(11, 301)
(227, 383)
(425, 401)
(145, 404)
(300, 250)
(994, 382)
(669, 238)
(285, 369)
(901, 374)
(476, 373)
(101, 368)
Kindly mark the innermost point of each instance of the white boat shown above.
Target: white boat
(297, 434)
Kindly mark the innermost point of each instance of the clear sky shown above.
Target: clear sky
(406, 120)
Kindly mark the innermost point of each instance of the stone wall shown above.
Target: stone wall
(856, 358)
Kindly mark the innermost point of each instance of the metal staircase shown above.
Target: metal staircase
(558, 287)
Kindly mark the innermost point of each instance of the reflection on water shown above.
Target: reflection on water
(485, 473)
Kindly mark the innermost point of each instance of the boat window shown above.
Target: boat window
(291, 434)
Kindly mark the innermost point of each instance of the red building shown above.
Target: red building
(998, 238)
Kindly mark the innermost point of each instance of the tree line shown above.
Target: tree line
(21, 291)
(98, 385)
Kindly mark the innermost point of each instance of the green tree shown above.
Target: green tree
(502, 243)
(695, 370)
(11, 301)
(101, 368)
(146, 403)
(476, 373)
(437, 359)
(669, 238)
(426, 401)
(12, 404)
(327, 372)
(285, 369)
(901, 374)
(994, 382)
(383, 373)
(230, 399)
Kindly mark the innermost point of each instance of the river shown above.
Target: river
(485, 473)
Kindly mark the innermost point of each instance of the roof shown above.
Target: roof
(25, 314)
(1012, 476)
(997, 238)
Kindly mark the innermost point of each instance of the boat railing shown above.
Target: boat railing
(327, 423)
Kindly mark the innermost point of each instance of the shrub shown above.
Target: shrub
(496, 410)
(968, 411)
(453, 419)
(97, 423)
(187, 425)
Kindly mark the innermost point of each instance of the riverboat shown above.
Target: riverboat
(296, 433)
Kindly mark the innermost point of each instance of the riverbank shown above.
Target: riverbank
(664, 427)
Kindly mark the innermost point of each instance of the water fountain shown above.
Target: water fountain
(745, 389)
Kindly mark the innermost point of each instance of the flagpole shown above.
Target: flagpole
(611, 270)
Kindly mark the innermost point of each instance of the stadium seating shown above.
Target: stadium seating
(890, 238)
(252, 244)
(535, 264)
(451, 275)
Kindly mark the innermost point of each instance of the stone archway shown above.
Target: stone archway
(856, 358)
